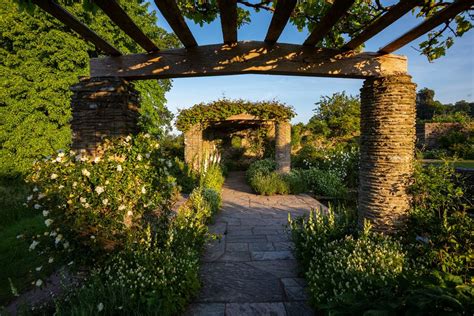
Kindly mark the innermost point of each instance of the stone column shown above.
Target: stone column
(283, 146)
(387, 145)
(193, 145)
(102, 107)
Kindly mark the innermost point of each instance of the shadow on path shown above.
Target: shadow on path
(251, 270)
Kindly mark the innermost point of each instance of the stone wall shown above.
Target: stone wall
(428, 134)
(193, 146)
(387, 150)
(102, 107)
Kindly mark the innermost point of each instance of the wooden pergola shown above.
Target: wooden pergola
(388, 95)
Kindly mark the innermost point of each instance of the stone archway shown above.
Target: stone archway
(197, 147)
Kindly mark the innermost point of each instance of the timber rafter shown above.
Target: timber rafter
(269, 57)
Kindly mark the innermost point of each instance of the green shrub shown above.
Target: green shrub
(186, 178)
(96, 204)
(213, 177)
(350, 274)
(261, 167)
(295, 182)
(439, 216)
(325, 183)
(318, 229)
(269, 184)
(146, 279)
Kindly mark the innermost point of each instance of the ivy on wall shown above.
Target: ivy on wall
(204, 113)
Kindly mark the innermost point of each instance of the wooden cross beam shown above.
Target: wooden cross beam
(228, 9)
(123, 21)
(172, 14)
(336, 12)
(280, 18)
(439, 18)
(249, 58)
(70, 21)
(396, 12)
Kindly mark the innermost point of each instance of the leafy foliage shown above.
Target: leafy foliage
(337, 116)
(95, 204)
(40, 59)
(221, 109)
(308, 14)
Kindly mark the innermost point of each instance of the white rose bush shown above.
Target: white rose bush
(98, 204)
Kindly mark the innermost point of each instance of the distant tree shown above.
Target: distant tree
(40, 59)
(427, 106)
(336, 116)
(463, 106)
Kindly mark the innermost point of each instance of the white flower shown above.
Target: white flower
(34, 244)
(50, 260)
(74, 184)
(66, 245)
(60, 187)
(58, 239)
(54, 176)
(143, 190)
(39, 268)
(105, 201)
(48, 222)
(99, 190)
(39, 282)
(121, 207)
(29, 198)
(129, 213)
(139, 157)
(61, 154)
(146, 135)
(35, 189)
(83, 200)
(96, 159)
(128, 138)
(86, 173)
(45, 213)
(41, 195)
(53, 234)
(119, 168)
(100, 307)
(147, 155)
(92, 237)
(37, 206)
(87, 205)
(19, 236)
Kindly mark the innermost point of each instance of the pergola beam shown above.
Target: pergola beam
(439, 18)
(335, 13)
(396, 12)
(73, 23)
(175, 19)
(124, 22)
(228, 9)
(280, 18)
(249, 58)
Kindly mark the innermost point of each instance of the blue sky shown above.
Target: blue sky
(451, 76)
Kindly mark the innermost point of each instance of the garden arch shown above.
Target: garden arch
(202, 122)
(106, 103)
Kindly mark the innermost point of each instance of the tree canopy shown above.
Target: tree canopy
(337, 116)
(308, 14)
(40, 59)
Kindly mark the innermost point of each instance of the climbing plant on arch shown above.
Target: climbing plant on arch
(204, 113)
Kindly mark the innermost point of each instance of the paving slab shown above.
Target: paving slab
(251, 269)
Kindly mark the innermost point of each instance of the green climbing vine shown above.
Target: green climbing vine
(204, 113)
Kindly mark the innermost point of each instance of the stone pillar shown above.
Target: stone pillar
(102, 107)
(193, 146)
(387, 145)
(283, 146)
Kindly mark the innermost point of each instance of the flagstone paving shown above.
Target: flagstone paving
(251, 269)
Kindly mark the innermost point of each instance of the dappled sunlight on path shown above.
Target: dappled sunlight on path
(251, 270)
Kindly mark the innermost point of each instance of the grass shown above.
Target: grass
(16, 261)
(458, 164)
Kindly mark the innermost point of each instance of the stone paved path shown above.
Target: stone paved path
(251, 270)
